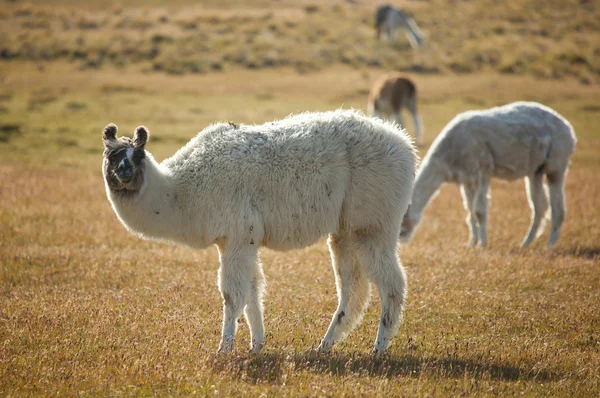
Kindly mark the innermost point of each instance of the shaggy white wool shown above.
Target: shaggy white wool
(284, 185)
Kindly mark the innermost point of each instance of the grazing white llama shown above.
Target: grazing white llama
(390, 94)
(281, 185)
(522, 139)
(388, 19)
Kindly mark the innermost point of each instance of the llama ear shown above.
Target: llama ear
(109, 133)
(140, 137)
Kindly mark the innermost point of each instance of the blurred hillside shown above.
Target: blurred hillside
(543, 38)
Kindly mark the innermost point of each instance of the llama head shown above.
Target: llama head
(409, 223)
(123, 163)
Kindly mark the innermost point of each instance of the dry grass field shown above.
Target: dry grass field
(87, 309)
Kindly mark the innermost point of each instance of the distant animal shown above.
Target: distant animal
(388, 19)
(389, 95)
(522, 139)
(281, 185)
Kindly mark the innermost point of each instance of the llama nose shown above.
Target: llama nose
(124, 170)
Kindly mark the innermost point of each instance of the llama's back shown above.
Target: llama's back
(300, 177)
(519, 138)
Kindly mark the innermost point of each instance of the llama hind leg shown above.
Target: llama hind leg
(538, 203)
(557, 204)
(481, 208)
(380, 262)
(352, 287)
(412, 107)
(254, 310)
(468, 194)
(418, 128)
(235, 274)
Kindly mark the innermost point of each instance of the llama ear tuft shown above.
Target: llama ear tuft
(110, 132)
(140, 137)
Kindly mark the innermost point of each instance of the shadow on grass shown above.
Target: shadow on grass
(270, 367)
(582, 252)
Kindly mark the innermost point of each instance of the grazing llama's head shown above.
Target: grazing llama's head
(409, 223)
(123, 164)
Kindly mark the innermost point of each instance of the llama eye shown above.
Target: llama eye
(138, 156)
(116, 156)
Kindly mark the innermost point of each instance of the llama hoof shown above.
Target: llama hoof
(225, 348)
(257, 346)
(324, 346)
(376, 351)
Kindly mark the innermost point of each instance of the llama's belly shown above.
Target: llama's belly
(511, 153)
(521, 160)
(298, 229)
(290, 243)
(384, 104)
(300, 221)
(294, 239)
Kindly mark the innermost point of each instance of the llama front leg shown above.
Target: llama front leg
(556, 182)
(481, 208)
(468, 195)
(352, 288)
(254, 310)
(398, 118)
(418, 127)
(238, 263)
(389, 32)
(538, 204)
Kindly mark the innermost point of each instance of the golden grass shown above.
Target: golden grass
(87, 309)
(547, 39)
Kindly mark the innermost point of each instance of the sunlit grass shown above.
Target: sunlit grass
(549, 39)
(86, 308)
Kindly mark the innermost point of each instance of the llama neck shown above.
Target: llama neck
(429, 178)
(155, 213)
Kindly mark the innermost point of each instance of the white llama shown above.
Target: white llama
(281, 185)
(522, 139)
(390, 94)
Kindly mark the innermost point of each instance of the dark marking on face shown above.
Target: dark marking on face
(123, 164)
(157, 212)
(251, 228)
(386, 319)
(251, 241)
(340, 316)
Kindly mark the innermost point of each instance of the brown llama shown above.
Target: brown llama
(390, 94)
